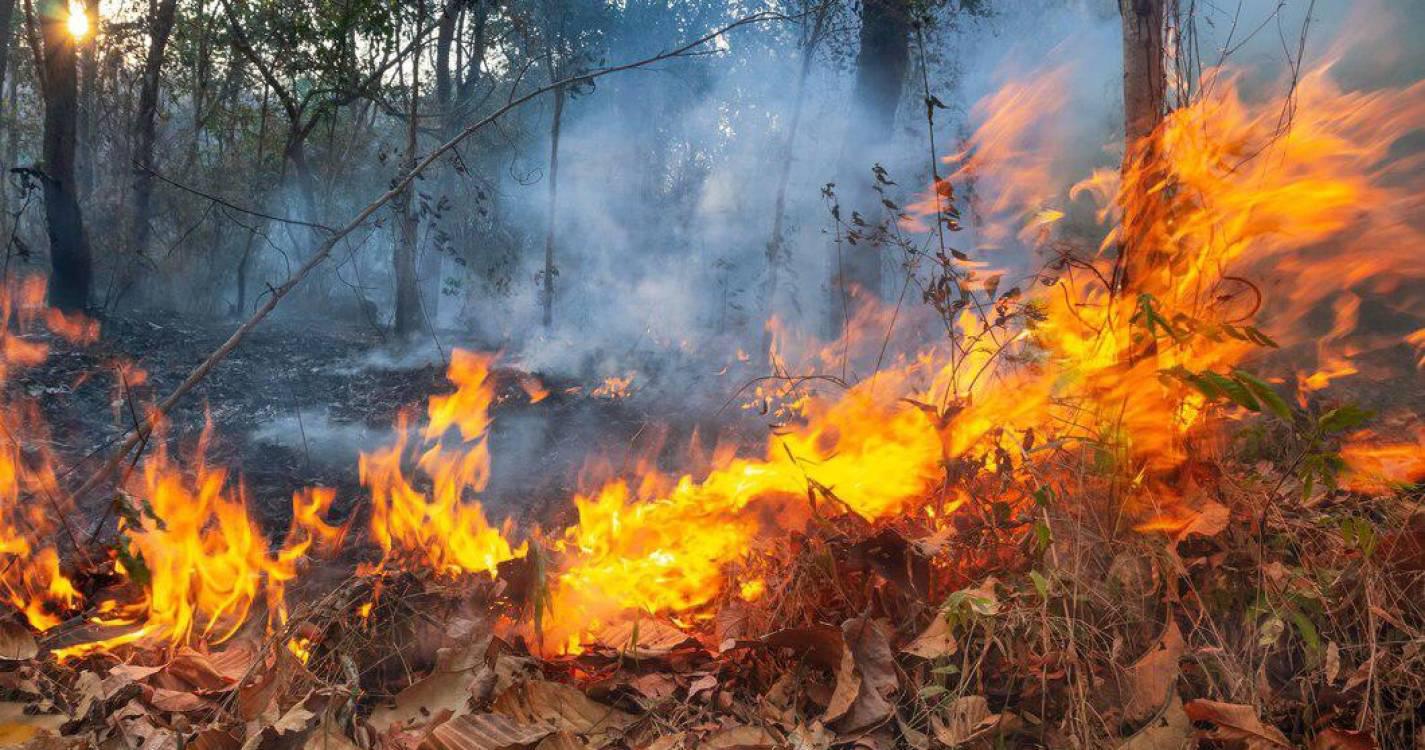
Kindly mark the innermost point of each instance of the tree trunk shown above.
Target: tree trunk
(409, 319)
(86, 165)
(880, 77)
(779, 204)
(1144, 83)
(145, 124)
(549, 270)
(7, 18)
(1144, 102)
(70, 264)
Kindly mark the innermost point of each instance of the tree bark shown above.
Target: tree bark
(409, 319)
(161, 20)
(1144, 103)
(86, 164)
(7, 18)
(881, 68)
(1144, 81)
(549, 235)
(70, 264)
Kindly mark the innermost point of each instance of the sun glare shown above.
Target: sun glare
(78, 22)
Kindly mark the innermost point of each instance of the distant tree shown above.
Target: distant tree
(70, 262)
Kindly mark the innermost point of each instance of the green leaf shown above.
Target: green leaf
(1235, 391)
(1343, 418)
(1041, 584)
(930, 691)
(1264, 393)
(946, 669)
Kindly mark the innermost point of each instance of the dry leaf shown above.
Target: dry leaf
(1333, 662)
(1170, 730)
(967, 719)
(566, 708)
(297, 719)
(869, 642)
(426, 697)
(1211, 519)
(1341, 739)
(935, 642)
(561, 741)
(739, 738)
(485, 732)
(16, 641)
(1236, 722)
(1152, 678)
(653, 638)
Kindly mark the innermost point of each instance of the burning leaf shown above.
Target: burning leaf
(1236, 722)
(644, 638)
(1154, 676)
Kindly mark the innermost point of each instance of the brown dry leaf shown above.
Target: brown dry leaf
(424, 698)
(237, 660)
(676, 741)
(565, 707)
(1211, 519)
(297, 719)
(869, 642)
(914, 738)
(655, 686)
(814, 736)
(1236, 722)
(179, 701)
(935, 642)
(967, 719)
(1170, 730)
(192, 670)
(1333, 662)
(1152, 678)
(848, 688)
(739, 738)
(16, 641)
(653, 638)
(702, 685)
(823, 643)
(561, 741)
(485, 732)
(326, 736)
(1342, 739)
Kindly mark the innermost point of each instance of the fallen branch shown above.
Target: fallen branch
(324, 249)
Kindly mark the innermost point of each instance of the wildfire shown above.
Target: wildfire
(443, 527)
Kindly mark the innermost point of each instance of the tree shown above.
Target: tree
(161, 17)
(409, 318)
(1144, 102)
(881, 66)
(70, 264)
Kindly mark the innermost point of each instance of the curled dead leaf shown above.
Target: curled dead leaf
(1237, 722)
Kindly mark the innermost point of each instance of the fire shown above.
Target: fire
(442, 527)
(614, 387)
(199, 559)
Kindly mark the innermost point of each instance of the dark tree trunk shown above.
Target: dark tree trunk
(880, 77)
(549, 239)
(70, 264)
(145, 125)
(409, 318)
(86, 165)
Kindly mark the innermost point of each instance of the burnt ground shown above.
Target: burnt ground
(296, 402)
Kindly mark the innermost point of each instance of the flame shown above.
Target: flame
(1377, 465)
(440, 528)
(614, 387)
